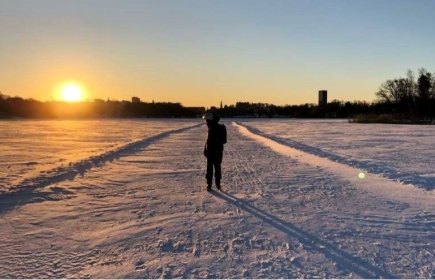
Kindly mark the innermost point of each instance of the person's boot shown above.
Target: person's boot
(218, 185)
(208, 187)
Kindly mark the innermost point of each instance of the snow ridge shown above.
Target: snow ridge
(69, 172)
(374, 183)
(406, 178)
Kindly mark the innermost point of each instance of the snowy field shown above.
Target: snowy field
(32, 149)
(301, 199)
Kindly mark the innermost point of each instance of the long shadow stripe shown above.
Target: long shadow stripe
(352, 263)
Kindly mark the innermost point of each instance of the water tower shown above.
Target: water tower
(323, 98)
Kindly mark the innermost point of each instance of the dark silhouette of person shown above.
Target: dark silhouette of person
(213, 149)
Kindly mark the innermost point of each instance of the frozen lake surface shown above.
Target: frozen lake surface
(401, 152)
(32, 148)
(127, 199)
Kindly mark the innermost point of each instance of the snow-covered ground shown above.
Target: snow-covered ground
(32, 149)
(400, 152)
(295, 203)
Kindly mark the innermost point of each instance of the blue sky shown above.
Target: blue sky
(202, 52)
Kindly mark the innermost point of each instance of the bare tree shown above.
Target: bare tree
(392, 91)
(400, 92)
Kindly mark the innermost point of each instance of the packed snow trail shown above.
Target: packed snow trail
(357, 177)
(146, 214)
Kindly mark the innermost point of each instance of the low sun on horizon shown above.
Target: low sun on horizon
(72, 93)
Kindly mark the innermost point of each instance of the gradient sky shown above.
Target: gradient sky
(199, 52)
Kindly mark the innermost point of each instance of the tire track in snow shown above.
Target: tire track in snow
(386, 234)
(163, 227)
(60, 174)
(372, 182)
(144, 202)
(242, 172)
(251, 175)
(247, 167)
(226, 238)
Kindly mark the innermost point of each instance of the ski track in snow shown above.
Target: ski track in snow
(145, 214)
(74, 169)
(371, 181)
(418, 180)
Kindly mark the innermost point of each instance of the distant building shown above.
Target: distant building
(135, 99)
(323, 97)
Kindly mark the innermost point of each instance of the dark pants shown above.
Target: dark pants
(214, 160)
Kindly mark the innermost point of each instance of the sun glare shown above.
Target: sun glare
(72, 93)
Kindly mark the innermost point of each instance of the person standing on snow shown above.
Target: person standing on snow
(213, 149)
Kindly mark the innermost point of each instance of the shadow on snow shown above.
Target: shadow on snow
(356, 265)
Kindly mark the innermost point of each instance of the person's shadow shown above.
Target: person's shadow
(353, 264)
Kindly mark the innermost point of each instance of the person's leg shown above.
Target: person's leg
(209, 174)
(218, 170)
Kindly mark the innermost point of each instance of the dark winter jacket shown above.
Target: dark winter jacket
(214, 143)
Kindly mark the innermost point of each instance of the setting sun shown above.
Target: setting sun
(72, 93)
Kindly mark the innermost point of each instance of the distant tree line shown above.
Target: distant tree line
(334, 109)
(30, 108)
(408, 98)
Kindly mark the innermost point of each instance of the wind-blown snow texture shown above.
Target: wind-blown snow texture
(293, 206)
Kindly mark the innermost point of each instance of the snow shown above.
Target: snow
(357, 177)
(32, 149)
(130, 201)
